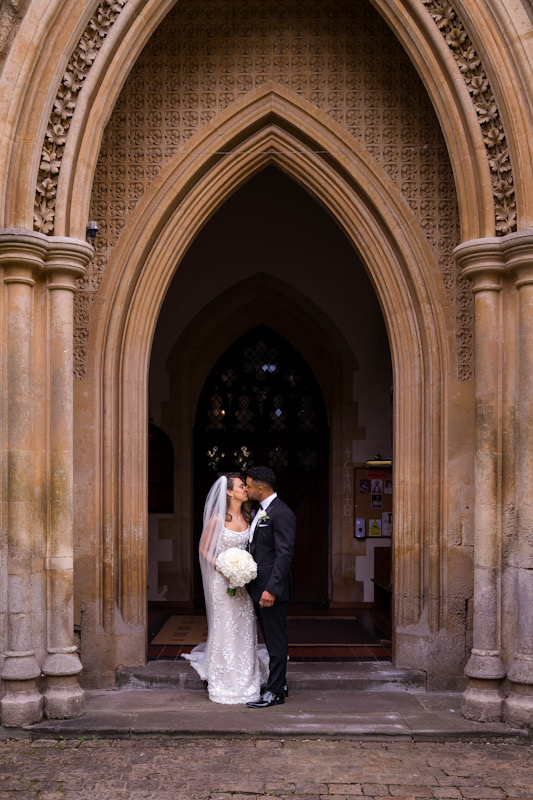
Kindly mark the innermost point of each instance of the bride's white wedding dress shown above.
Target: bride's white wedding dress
(231, 662)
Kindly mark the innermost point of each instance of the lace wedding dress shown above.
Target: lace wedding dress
(231, 662)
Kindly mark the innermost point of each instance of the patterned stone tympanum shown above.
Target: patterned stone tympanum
(340, 57)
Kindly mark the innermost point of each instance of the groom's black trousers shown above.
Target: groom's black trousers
(273, 624)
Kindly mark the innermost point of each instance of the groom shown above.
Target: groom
(272, 536)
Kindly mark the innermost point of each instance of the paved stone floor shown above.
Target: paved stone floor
(261, 769)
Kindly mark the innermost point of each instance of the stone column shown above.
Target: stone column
(66, 261)
(22, 254)
(483, 262)
(518, 707)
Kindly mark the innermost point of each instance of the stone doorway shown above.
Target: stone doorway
(371, 217)
(304, 295)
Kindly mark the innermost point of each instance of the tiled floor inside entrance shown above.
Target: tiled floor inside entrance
(314, 635)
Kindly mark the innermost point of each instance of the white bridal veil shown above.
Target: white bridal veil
(215, 510)
(213, 524)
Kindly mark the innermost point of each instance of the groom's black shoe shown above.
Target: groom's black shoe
(268, 699)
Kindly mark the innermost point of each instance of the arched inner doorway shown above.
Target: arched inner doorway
(272, 264)
(261, 404)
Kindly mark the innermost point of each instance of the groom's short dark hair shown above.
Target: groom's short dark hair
(262, 475)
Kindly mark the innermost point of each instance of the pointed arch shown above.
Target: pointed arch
(274, 128)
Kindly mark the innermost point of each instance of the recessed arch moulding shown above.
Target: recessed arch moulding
(111, 408)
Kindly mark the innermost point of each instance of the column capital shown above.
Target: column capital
(66, 261)
(483, 262)
(22, 253)
(518, 251)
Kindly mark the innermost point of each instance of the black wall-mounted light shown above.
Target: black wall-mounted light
(90, 231)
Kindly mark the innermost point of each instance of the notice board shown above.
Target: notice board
(373, 501)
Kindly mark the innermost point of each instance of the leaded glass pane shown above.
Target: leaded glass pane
(215, 456)
(261, 361)
(244, 414)
(278, 459)
(306, 414)
(278, 415)
(243, 458)
(259, 388)
(216, 414)
(307, 459)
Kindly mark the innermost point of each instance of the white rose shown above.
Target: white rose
(237, 566)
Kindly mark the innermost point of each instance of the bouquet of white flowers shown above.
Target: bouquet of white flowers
(237, 566)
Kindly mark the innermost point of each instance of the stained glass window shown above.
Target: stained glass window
(261, 388)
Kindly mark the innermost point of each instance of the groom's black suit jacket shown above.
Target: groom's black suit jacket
(272, 548)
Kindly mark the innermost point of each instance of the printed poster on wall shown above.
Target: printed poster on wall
(374, 527)
(377, 501)
(386, 523)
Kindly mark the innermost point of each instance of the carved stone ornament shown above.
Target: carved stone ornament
(77, 70)
(340, 56)
(475, 77)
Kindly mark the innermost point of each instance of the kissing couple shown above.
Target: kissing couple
(231, 662)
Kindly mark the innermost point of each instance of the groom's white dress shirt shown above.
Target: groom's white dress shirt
(263, 506)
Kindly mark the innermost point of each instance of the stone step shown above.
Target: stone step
(343, 676)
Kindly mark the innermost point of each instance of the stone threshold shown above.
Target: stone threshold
(362, 702)
(331, 677)
(361, 716)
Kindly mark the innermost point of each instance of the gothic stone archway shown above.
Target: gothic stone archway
(262, 131)
(37, 61)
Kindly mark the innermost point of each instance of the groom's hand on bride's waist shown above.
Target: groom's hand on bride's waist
(267, 599)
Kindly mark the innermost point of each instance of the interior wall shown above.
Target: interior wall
(273, 227)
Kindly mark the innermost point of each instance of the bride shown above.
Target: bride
(230, 661)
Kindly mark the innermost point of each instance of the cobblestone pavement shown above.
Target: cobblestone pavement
(258, 769)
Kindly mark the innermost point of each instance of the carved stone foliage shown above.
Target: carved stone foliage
(77, 70)
(468, 61)
(340, 56)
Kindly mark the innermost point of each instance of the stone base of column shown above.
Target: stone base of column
(22, 704)
(63, 696)
(518, 707)
(483, 700)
